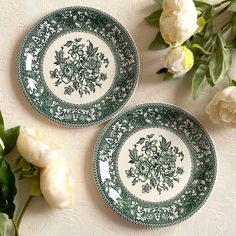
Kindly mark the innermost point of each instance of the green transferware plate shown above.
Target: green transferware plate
(155, 165)
(78, 66)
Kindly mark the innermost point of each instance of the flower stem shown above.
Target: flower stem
(15, 227)
(23, 211)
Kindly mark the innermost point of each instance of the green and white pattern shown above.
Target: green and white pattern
(78, 66)
(155, 165)
(80, 70)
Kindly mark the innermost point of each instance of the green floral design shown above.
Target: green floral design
(203, 164)
(156, 165)
(96, 23)
(81, 69)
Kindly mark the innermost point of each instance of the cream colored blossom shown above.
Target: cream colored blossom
(56, 184)
(178, 21)
(37, 148)
(222, 108)
(179, 61)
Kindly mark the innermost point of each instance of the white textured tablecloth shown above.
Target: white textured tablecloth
(90, 215)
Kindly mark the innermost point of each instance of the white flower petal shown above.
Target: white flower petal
(176, 60)
(56, 184)
(37, 148)
(222, 108)
(178, 21)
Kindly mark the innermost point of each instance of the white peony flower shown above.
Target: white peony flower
(179, 61)
(37, 148)
(178, 21)
(56, 184)
(222, 108)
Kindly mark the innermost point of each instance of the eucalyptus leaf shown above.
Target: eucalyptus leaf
(7, 189)
(220, 60)
(3, 224)
(35, 188)
(9, 138)
(153, 19)
(199, 80)
(158, 43)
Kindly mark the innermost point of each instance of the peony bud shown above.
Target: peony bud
(179, 61)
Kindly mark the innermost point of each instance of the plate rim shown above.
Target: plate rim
(95, 168)
(52, 119)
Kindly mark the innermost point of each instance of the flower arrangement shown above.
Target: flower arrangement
(41, 163)
(196, 49)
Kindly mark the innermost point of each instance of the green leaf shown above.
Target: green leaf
(234, 24)
(153, 19)
(35, 188)
(158, 43)
(197, 46)
(220, 60)
(3, 223)
(1, 125)
(232, 6)
(201, 24)
(25, 166)
(9, 138)
(16, 165)
(159, 2)
(199, 80)
(32, 173)
(168, 76)
(7, 189)
(232, 44)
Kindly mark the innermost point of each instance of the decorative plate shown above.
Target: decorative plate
(155, 165)
(78, 66)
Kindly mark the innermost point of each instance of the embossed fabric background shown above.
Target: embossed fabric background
(90, 215)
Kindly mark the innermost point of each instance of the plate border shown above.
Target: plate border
(65, 124)
(95, 167)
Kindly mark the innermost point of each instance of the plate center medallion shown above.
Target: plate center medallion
(79, 67)
(154, 164)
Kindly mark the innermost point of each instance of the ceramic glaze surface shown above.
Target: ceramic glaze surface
(155, 165)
